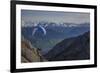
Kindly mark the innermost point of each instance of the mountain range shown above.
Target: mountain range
(50, 24)
(55, 34)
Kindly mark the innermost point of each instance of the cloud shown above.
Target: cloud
(53, 16)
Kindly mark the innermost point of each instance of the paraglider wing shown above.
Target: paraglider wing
(43, 29)
(39, 28)
(34, 31)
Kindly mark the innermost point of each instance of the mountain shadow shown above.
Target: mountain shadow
(76, 48)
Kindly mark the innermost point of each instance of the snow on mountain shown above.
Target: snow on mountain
(48, 24)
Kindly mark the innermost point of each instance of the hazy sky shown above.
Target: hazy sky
(53, 16)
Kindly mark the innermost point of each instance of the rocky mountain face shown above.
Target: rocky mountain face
(76, 48)
(29, 53)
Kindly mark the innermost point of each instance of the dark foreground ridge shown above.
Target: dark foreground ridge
(76, 48)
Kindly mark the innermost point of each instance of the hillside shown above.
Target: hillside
(29, 53)
(76, 48)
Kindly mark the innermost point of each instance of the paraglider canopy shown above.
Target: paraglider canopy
(39, 28)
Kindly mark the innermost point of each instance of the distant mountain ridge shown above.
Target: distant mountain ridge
(76, 48)
(48, 24)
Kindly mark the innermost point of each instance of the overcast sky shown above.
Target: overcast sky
(53, 16)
